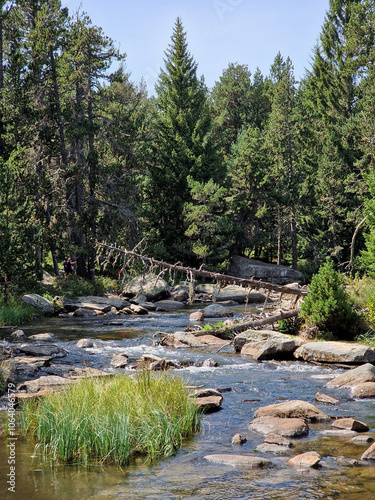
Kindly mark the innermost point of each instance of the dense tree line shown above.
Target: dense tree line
(259, 165)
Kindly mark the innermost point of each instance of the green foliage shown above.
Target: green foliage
(4, 376)
(288, 326)
(75, 286)
(327, 306)
(113, 420)
(182, 147)
(367, 338)
(14, 313)
(208, 326)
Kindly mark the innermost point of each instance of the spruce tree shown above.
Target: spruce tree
(182, 148)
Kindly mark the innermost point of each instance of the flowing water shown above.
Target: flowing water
(245, 385)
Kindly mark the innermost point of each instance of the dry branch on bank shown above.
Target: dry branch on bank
(191, 272)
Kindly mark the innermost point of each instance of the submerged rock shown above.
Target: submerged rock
(323, 398)
(168, 305)
(119, 360)
(239, 460)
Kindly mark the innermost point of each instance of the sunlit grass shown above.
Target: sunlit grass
(113, 420)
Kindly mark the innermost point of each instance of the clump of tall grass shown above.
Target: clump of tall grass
(112, 420)
(13, 312)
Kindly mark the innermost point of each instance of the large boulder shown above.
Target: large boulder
(39, 302)
(355, 376)
(293, 409)
(363, 391)
(168, 305)
(336, 352)
(255, 269)
(237, 293)
(265, 344)
(151, 285)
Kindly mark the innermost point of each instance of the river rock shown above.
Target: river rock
(49, 383)
(279, 440)
(42, 336)
(355, 376)
(82, 312)
(216, 311)
(238, 294)
(41, 350)
(103, 304)
(18, 335)
(308, 459)
(276, 449)
(212, 340)
(180, 293)
(266, 344)
(209, 363)
(119, 360)
(137, 309)
(286, 427)
(238, 439)
(25, 367)
(86, 343)
(209, 403)
(185, 339)
(168, 305)
(280, 341)
(255, 269)
(350, 424)
(39, 302)
(239, 460)
(197, 316)
(362, 391)
(293, 409)
(369, 454)
(206, 288)
(362, 439)
(336, 352)
(151, 285)
(323, 398)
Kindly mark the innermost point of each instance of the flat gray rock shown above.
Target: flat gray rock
(336, 352)
(41, 350)
(285, 342)
(286, 427)
(168, 305)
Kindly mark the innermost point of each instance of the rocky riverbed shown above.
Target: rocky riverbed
(285, 418)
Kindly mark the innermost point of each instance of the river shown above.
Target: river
(245, 386)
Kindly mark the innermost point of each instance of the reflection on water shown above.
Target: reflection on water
(187, 475)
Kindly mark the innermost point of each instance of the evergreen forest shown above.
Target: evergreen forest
(260, 165)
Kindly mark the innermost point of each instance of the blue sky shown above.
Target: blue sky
(219, 32)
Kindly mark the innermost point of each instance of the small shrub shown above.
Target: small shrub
(327, 305)
(367, 338)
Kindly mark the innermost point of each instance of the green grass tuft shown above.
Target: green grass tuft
(14, 313)
(112, 421)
